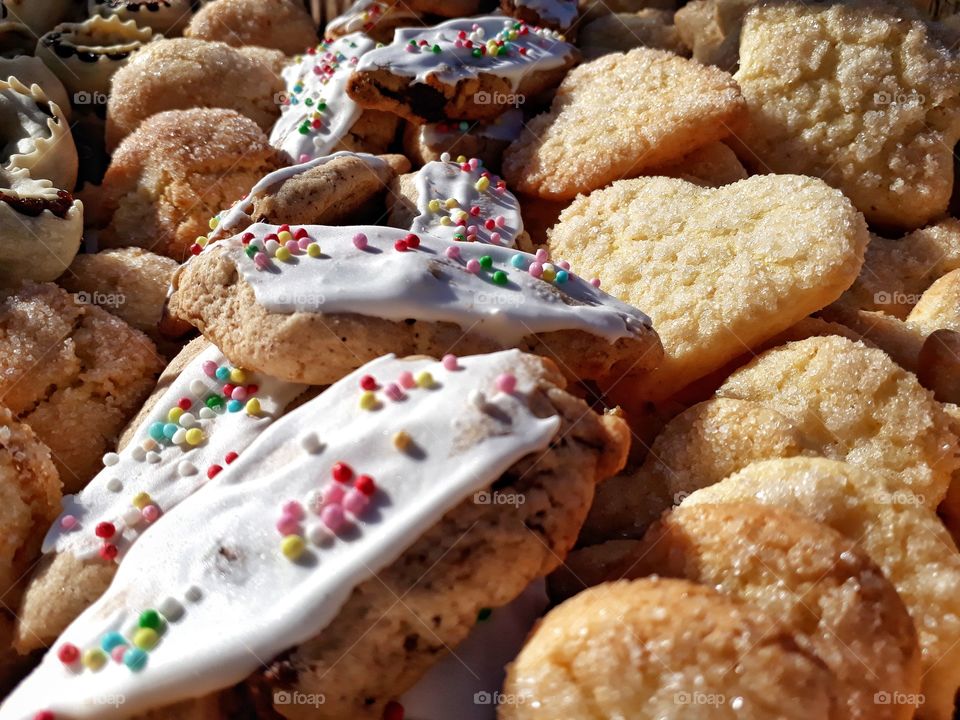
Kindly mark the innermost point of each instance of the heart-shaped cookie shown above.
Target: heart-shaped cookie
(719, 270)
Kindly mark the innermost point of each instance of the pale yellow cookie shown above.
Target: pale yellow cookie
(712, 165)
(712, 29)
(901, 340)
(939, 307)
(618, 116)
(718, 270)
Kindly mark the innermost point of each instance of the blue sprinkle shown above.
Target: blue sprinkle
(562, 276)
(135, 659)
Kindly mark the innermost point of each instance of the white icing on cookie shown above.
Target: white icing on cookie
(510, 49)
(440, 136)
(438, 281)
(318, 113)
(363, 15)
(180, 468)
(561, 13)
(488, 207)
(217, 560)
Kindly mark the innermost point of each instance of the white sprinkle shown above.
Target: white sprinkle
(445, 157)
(206, 413)
(477, 398)
(153, 457)
(171, 609)
(188, 420)
(318, 534)
(180, 436)
(186, 468)
(193, 594)
(114, 485)
(199, 387)
(311, 443)
(110, 459)
(132, 517)
(138, 453)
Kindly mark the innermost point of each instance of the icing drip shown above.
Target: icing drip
(489, 290)
(318, 113)
(482, 203)
(562, 13)
(464, 48)
(165, 463)
(214, 589)
(507, 128)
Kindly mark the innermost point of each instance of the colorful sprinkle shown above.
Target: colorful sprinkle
(292, 546)
(68, 653)
(135, 659)
(94, 659)
(506, 383)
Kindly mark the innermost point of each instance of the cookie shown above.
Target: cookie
(130, 283)
(891, 78)
(620, 32)
(317, 116)
(938, 365)
(174, 172)
(901, 340)
(376, 18)
(897, 272)
(484, 141)
(167, 17)
(712, 165)
(903, 537)
(312, 315)
(446, 8)
(184, 73)
(939, 306)
(559, 15)
(719, 270)
(73, 373)
(162, 463)
(819, 584)
(682, 640)
(711, 28)
(857, 405)
(465, 69)
(591, 10)
(346, 543)
(618, 116)
(37, 17)
(592, 565)
(284, 25)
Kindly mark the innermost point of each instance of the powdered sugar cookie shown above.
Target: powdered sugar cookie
(284, 25)
(298, 303)
(617, 117)
(468, 69)
(485, 141)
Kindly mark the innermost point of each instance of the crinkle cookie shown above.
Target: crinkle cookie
(186, 73)
(283, 25)
(620, 32)
(299, 304)
(167, 17)
(658, 649)
(876, 117)
(484, 141)
(903, 537)
(559, 15)
(376, 18)
(720, 270)
(857, 405)
(340, 529)
(464, 69)
(939, 306)
(72, 372)
(174, 172)
(617, 117)
(809, 578)
(711, 28)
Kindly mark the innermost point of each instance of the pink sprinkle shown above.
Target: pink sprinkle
(472, 230)
(564, 264)
(288, 525)
(150, 513)
(535, 269)
(333, 517)
(394, 392)
(473, 266)
(595, 282)
(411, 48)
(406, 380)
(68, 522)
(304, 243)
(495, 238)
(501, 221)
(293, 509)
(261, 261)
(542, 255)
(239, 393)
(355, 502)
(474, 163)
(210, 368)
(507, 383)
(452, 252)
(304, 158)
(293, 246)
(360, 240)
(450, 362)
(333, 494)
(118, 652)
(458, 44)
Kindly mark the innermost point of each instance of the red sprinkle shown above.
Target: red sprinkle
(212, 471)
(228, 389)
(252, 389)
(341, 472)
(412, 240)
(393, 711)
(68, 653)
(230, 457)
(490, 224)
(195, 249)
(246, 238)
(108, 551)
(400, 246)
(300, 234)
(44, 715)
(365, 485)
(105, 530)
(184, 404)
(368, 382)
(283, 228)
(271, 236)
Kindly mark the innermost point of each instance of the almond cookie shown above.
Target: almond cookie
(376, 18)
(485, 141)
(184, 73)
(939, 306)
(176, 170)
(283, 25)
(617, 117)
(659, 649)
(877, 118)
(340, 519)
(466, 69)
(620, 32)
(72, 372)
(905, 539)
(310, 304)
(712, 29)
(559, 15)
(857, 405)
(811, 579)
(766, 251)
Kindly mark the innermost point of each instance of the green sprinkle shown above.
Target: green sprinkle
(486, 262)
(500, 277)
(151, 619)
(214, 401)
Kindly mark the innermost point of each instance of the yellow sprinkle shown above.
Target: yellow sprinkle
(445, 220)
(94, 659)
(174, 414)
(141, 500)
(146, 638)
(202, 241)
(451, 203)
(292, 546)
(549, 274)
(401, 441)
(368, 400)
(434, 205)
(282, 254)
(238, 376)
(313, 250)
(214, 221)
(482, 184)
(253, 406)
(461, 159)
(424, 379)
(284, 236)
(194, 436)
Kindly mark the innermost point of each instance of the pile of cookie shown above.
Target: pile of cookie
(462, 359)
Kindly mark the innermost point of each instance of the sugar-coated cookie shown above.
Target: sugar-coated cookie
(343, 528)
(808, 578)
(905, 539)
(184, 73)
(465, 69)
(485, 141)
(901, 340)
(712, 165)
(176, 170)
(166, 17)
(283, 25)
(619, 115)
(658, 649)
(299, 304)
(559, 15)
(719, 270)
(590, 10)
(620, 32)
(711, 28)
(939, 306)
(938, 366)
(376, 18)
(884, 130)
(72, 372)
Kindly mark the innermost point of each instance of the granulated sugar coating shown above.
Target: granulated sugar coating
(939, 306)
(905, 539)
(615, 117)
